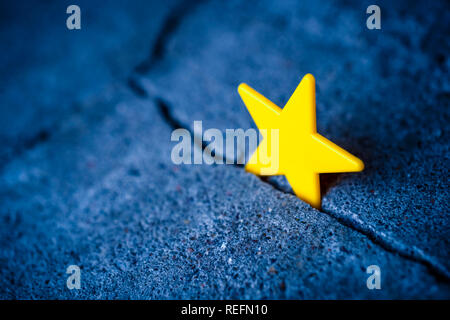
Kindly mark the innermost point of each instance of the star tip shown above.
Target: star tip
(308, 81)
(359, 165)
(316, 204)
(309, 77)
(242, 87)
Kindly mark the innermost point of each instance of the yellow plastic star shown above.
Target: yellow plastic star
(296, 149)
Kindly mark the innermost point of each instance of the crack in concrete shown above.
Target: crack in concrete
(350, 220)
(169, 26)
(16, 150)
(164, 110)
(387, 242)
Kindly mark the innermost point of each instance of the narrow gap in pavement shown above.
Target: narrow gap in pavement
(169, 26)
(348, 220)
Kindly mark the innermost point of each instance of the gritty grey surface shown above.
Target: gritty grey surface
(49, 72)
(383, 96)
(100, 190)
(143, 228)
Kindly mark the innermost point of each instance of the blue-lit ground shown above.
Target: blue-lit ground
(87, 179)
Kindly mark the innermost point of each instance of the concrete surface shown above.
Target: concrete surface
(87, 177)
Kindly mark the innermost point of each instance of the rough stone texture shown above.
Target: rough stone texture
(382, 95)
(106, 196)
(101, 191)
(49, 71)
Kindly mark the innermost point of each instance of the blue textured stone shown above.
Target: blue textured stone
(94, 185)
(49, 72)
(106, 196)
(382, 95)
